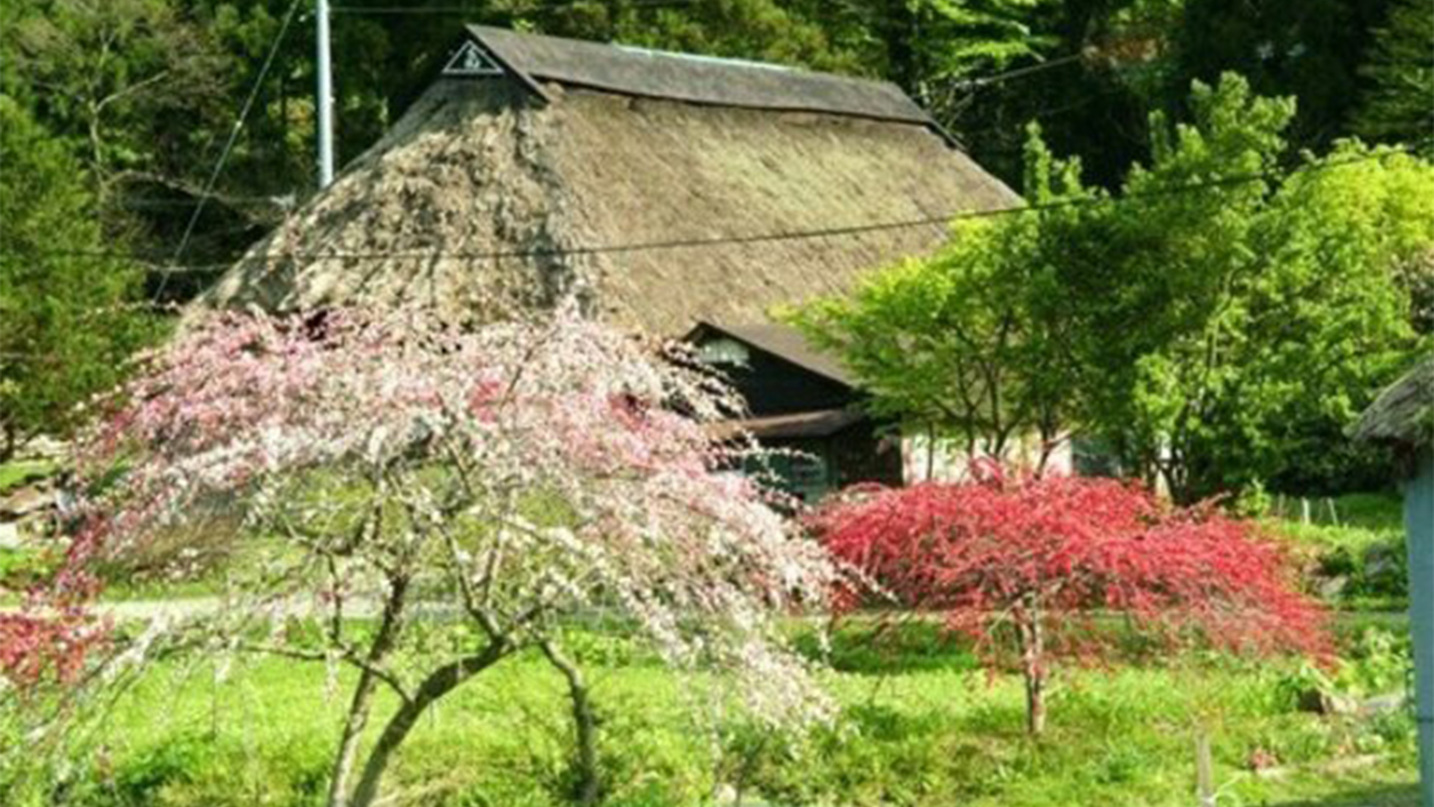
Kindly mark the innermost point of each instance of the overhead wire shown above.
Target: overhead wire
(465, 10)
(201, 202)
(978, 82)
(755, 238)
(233, 139)
(1079, 201)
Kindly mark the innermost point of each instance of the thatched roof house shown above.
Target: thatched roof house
(666, 188)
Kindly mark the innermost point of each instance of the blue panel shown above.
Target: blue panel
(1419, 529)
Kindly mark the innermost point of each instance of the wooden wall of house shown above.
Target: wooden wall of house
(860, 453)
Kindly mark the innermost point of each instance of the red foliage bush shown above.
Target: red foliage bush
(1028, 563)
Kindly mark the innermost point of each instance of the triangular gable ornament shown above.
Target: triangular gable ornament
(471, 60)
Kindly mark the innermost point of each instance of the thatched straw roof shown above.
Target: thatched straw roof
(1404, 412)
(665, 189)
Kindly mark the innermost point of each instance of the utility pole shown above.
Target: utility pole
(326, 97)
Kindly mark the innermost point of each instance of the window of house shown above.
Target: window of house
(724, 352)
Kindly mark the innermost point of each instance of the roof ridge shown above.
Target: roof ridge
(693, 78)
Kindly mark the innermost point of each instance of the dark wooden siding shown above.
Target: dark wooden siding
(776, 387)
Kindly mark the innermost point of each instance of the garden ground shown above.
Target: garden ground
(920, 723)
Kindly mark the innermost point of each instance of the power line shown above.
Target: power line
(978, 82)
(1173, 190)
(755, 238)
(468, 10)
(229, 144)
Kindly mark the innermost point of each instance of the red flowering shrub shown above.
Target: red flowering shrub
(46, 639)
(1026, 564)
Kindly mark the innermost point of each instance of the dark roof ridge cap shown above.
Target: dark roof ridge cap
(479, 31)
(801, 110)
(533, 58)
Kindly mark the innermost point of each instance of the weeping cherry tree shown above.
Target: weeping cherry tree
(515, 475)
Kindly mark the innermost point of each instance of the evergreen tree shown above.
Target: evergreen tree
(68, 318)
(1400, 103)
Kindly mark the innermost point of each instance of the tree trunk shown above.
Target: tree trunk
(362, 703)
(1035, 702)
(9, 443)
(1033, 668)
(438, 683)
(584, 724)
(354, 724)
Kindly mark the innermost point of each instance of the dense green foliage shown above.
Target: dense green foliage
(66, 320)
(1312, 50)
(144, 91)
(1218, 322)
(1254, 319)
(976, 342)
(1353, 544)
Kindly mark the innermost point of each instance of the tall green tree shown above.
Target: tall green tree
(1311, 49)
(1399, 104)
(1216, 323)
(126, 81)
(1250, 313)
(933, 49)
(975, 343)
(67, 319)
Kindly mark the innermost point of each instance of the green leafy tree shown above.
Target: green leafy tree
(67, 320)
(1400, 102)
(1312, 50)
(973, 343)
(1244, 315)
(1217, 323)
(934, 48)
(764, 30)
(1328, 319)
(1090, 85)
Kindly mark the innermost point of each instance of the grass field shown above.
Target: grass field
(920, 725)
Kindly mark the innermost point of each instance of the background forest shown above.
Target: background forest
(142, 93)
(115, 114)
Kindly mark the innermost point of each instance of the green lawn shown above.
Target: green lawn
(920, 726)
(13, 474)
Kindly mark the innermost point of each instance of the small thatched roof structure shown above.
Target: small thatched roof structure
(664, 188)
(1403, 413)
